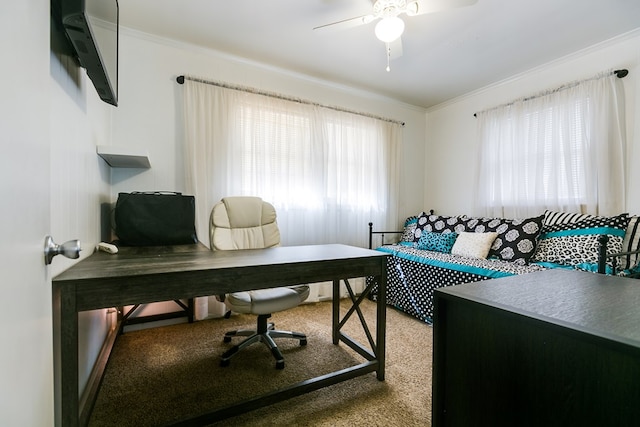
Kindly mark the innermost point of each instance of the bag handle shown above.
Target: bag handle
(176, 193)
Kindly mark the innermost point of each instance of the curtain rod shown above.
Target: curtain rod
(181, 79)
(619, 73)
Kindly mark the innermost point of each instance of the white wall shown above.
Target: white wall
(451, 139)
(149, 115)
(79, 121)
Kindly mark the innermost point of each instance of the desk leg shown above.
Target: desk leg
(381, 321)
(335, 328)
(65, 336)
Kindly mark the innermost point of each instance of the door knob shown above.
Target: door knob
(70, 249)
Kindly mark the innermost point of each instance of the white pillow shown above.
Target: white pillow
(474, 245)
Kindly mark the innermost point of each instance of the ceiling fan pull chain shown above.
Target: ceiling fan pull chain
(388, 57)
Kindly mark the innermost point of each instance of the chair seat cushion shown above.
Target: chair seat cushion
(266, 301)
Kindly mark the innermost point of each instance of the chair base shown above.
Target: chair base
(265, 333)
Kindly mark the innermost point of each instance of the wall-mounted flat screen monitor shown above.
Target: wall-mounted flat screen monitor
(92, 28)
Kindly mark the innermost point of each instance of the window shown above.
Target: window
(558, 151)
(274, 150)
(281, 158)
(327, 172)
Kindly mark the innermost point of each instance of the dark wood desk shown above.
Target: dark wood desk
(143, 275)
(552, 348)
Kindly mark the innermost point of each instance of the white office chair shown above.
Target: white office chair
(250, 223)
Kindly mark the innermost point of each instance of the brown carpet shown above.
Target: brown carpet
(156, 376)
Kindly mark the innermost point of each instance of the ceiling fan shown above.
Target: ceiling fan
(390, 26)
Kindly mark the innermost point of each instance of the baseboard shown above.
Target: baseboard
(90, 393)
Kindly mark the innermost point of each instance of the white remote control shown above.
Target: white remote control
(107, 247)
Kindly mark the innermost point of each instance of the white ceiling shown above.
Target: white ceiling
(445, 54)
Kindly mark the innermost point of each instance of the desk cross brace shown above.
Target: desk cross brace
(372, 364)
(355, 307)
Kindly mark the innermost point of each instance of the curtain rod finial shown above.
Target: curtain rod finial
(180, 79)
(621, 73)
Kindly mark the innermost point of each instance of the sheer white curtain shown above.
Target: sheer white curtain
(561, 150)
(328, 173)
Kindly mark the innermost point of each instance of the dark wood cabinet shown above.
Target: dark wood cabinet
(553, 348)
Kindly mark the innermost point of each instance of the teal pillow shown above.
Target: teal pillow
(437, 242)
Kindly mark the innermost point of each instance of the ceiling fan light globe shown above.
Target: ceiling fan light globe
(389, 29)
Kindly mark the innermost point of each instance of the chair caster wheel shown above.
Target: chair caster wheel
(280, 364)
(227, 339)
(224, 363)
(303, 342)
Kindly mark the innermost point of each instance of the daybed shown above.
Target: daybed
(436, 251)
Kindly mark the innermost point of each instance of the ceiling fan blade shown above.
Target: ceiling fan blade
(432, 6)
(345, 23)
(395, 49)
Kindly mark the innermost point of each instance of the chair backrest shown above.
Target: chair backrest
(243, 223)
